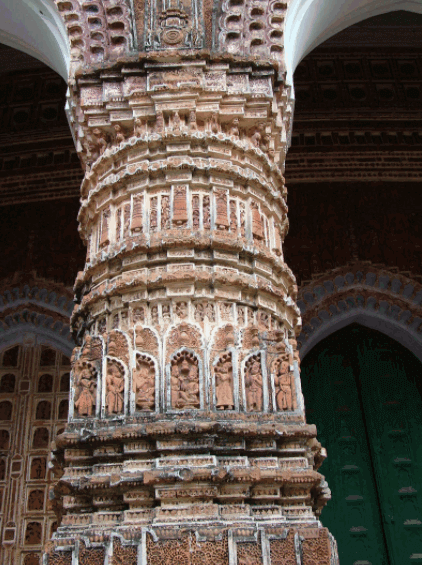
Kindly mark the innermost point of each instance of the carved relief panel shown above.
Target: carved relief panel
(176, 24)
(96, 30)
(255, 384)
(115, 380)
(221, 211)
(86, 373)
(185, 387)
(181, 207)
(284, 385)
(85, 384)
(114, 388)
(225, 382)
(246, 28)
(144, 378)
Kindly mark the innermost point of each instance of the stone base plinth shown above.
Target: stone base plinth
(211, 544)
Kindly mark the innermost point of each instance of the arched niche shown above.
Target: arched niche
(311, 22)
(362, 390)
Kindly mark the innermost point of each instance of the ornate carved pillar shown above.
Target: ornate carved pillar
(186, 439)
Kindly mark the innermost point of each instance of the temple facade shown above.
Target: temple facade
(155, 410)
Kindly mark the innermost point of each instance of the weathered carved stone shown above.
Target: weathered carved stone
(115, 385)
(85, 382)
(224, 383)
(144, 383)
(186, 416)
(185, 381)
(284, 383)
(254, 384)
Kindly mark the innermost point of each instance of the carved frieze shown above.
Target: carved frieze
(173, 24)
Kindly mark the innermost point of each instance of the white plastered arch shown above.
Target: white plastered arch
(35, 27)
(311, 22)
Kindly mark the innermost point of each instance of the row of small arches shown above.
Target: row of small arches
(40, 439)
(10, 357)
(38, 469)
(45, 383)
(42, 412)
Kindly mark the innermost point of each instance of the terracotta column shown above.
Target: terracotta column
(186, 440)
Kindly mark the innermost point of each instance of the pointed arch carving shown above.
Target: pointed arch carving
(374, 296)
(32, 309)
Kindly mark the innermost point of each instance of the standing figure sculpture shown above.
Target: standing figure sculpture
(100, 140)
(283, 383)
(85, 380)
(115, 385)
(144, 384)
(224, 384)
(253, 384)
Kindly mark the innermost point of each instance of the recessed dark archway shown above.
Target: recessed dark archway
(363, 391)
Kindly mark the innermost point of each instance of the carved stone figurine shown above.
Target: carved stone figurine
(138, 129)
(115, 385)
(224, 385)
(159, 123)
(265, 142)
(189, 388)
(85, 380)
(256, 138)
(234, 129)
(253, 383)
(283, 383)
(176, 122)
(92, 149)
(119, 135)
(214, 126)
(144, 385)
(185, 383)
(100, 140)
(192, 120)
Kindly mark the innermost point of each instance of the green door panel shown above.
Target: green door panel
(394, 409)
(352, 515)
(363, 391)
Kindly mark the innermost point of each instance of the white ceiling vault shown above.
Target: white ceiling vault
(311, 22)
(34, 26)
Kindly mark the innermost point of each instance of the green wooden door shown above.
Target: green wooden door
(361, 389)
